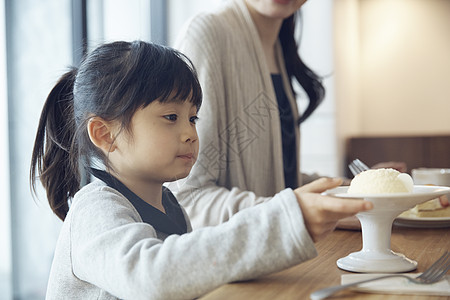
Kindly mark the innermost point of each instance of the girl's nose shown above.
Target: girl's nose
(190, 134)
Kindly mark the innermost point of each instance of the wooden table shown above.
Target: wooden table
(422, 245)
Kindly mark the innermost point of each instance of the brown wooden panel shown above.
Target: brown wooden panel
(438, 152)
(415, 151)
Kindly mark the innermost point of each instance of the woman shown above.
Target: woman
(245, 55)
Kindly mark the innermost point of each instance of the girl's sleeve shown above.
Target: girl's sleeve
(207, 202)
(110, 250)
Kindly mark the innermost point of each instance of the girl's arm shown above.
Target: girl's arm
(111, 251)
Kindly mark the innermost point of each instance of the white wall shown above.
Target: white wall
(179, 11)
(319, 149)
(405, 66)
(393, 67)
(347, 73)
(112, 20)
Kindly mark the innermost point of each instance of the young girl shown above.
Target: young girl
(127, 115)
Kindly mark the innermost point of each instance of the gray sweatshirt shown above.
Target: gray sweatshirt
(106, 251)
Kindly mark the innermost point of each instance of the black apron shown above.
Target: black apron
(171, 222)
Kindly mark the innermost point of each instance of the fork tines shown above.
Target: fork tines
(437, 270)
(357, 166)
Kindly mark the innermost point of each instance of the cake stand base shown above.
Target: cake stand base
(364, 262)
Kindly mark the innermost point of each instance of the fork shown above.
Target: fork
(431, 275)
(357, 166)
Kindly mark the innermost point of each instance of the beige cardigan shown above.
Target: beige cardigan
(240, 162)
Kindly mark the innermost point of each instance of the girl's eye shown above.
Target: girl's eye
(193, 119)
(172, 117)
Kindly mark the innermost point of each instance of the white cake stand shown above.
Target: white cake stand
(376, 225)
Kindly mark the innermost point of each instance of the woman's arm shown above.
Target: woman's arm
(203, 194)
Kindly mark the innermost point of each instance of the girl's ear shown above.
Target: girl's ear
(101, 134)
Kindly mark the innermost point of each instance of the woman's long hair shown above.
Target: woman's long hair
(295, 67)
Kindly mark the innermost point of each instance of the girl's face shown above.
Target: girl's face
(162, 144)
(279, 9)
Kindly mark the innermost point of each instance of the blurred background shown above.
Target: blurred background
(386, 69)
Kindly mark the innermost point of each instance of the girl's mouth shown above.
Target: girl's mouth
(188, 156)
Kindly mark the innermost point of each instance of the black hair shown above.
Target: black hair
(295, 67)
(112, 82)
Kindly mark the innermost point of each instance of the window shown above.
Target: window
(5, 230)
(35, 61)
(111, 20)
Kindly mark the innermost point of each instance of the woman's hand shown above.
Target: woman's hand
(444, 201)
(321, 213)
(397, 165)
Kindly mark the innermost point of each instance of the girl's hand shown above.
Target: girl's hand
(320, 212)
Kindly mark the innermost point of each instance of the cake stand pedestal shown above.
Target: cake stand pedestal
(376, 255)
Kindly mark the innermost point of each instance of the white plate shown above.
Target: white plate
(406, 221)
(417, 222)
(419, 191)
(409, 219)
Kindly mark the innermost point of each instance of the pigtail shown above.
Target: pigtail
(55, 158)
